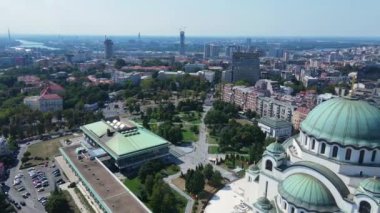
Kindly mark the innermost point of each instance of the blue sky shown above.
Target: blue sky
(200, 17)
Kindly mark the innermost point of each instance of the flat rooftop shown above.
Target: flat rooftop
(108, 189)
(126, 137)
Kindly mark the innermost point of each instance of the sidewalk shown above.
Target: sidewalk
(190, 201)
(75, 197)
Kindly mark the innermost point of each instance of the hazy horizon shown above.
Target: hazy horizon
(212, 18)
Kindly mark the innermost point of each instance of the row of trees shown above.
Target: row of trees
(58, 203)
(195, 180)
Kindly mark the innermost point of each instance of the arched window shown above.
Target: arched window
(335, 152)
(292, 210)
(305, 138)
(373, 158)
(348, 154)
(313, 144)
(323, 148)
(364, 207)
(285, 206)
(361, 156)
(268, 165)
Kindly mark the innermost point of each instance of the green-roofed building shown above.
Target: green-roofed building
(126, 142)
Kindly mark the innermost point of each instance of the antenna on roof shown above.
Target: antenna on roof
(9, 35)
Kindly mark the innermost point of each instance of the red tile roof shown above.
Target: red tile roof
(50, 97)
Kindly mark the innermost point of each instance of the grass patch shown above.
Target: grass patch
(84, 200)
(171, 170)
(213, 149)
(188, 135)
(212, 139)
(73, 207)
(133, 185)
(43, 151)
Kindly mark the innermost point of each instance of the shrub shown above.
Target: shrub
(72, 185)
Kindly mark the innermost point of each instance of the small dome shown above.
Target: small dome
(346, 121)
(371, 185)
(264, 204)
(254, 168)
(307, 192)
(275, 148)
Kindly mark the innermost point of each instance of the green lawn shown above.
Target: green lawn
(45, 150)
(189, 135)
(133, 185)
(213, 149)
(212, 139)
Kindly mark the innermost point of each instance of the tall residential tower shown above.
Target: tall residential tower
(182, 42)
(108, 48)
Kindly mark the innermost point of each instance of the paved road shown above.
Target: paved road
(31, 206)
(200, 154)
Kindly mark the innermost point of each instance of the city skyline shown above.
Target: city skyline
(273, 18)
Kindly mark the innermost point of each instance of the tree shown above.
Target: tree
(57, 203)
(168, 203)
(208, 171)
(149, 183)
(119, 63)
(4, 205)
(170, 132)
(149, 168)
(216, 179)
(195, 182)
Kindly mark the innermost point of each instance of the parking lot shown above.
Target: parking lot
(32, 186)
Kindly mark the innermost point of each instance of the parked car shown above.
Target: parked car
(41, 190)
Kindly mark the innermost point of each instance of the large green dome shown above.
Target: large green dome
(305, 191)
(345, 121)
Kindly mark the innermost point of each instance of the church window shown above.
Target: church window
(323, 148)
(364, 207)
(292, 210)
(268, 165)
(348, 154)
(335, 152)
(313, 144)
(373, 155)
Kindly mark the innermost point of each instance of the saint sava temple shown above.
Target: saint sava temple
(331, 166)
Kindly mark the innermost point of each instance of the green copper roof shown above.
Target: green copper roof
(327, 173)
(121, 144)
(275, 148)
(345, 121)
(371, 185)
(307, 192)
